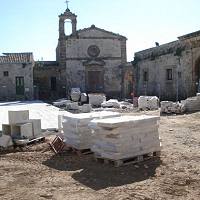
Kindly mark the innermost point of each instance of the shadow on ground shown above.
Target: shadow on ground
(99, 175)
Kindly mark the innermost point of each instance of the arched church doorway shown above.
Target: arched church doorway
(128, 84)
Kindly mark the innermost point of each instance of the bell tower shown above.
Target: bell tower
(61, 48)
(67, 15)
(62, 40)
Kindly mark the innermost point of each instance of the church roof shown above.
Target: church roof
(93, 27)
(16, 57)
(189, 35)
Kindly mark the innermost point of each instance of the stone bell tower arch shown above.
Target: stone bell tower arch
(61, 49)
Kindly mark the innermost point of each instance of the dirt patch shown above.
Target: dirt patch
(36, 173)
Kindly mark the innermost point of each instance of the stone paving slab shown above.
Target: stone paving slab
(37, 110)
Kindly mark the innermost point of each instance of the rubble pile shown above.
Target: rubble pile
(76, 132)
(62, 103)
(112, 103)
(124, 104)
(125, 137)
(148, 102)
(96, 99)
(172, 107)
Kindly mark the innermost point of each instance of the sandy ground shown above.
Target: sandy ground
(36, 173)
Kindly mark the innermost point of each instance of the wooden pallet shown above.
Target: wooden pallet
(57, 145)
(29, 141)
(81, 152)
(127, 161)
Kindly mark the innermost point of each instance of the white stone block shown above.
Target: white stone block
(60, 126)
(75, 96)
(15, 117)
(73, 106)
(6, 129)
(96, 99)
(5, 141)
(23, 130)
(83, 97)
(36, 125)
(86, 108)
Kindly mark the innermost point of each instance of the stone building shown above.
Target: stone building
(16, 78)
(90, 59)
(170, 71)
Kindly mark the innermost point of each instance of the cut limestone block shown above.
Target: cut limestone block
(36, 125)
(83, 97)
(125, 137)
(73, 106)
(15, 117)
(6, 129)
(5, 141)
(60, 126)
(96, 99)
(148, 102)
(75, 96)
(76, 130)
(23, 130)
(86, 108)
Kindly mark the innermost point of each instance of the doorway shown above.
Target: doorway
(128, 84)
(20, 85)
(94, 81)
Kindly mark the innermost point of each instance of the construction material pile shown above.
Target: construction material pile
(193, 103)
(125, 137)
(148, 102)
(96, 99)
(171, 107)
(76, 131)
(20, 127)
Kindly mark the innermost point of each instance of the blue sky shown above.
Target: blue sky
(32, 25)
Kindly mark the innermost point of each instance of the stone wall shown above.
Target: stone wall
(8, 83)
(182, 57)
(43, 89)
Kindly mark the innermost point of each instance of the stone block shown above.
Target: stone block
(86, 108)
(5, 141)
(83, 97)
(6, 129)
(73, 106)
(23, 130)
(96, 99)
(15, 117)
(36, 125)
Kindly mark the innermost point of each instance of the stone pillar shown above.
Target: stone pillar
(61, 28)
(74, 27)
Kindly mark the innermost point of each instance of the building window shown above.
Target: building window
(5, 73)
(145, 76)
(53, 83)
(169, 74)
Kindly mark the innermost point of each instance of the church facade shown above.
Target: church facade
(91, 59)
